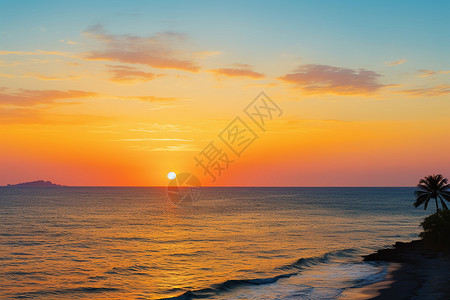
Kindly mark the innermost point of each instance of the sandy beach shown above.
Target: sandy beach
(415, 272)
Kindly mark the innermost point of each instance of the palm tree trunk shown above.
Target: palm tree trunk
(437, 207)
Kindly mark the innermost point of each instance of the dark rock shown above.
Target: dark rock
(402, 252)
(37, 183)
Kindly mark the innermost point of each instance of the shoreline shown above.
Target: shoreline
(372, 290)
(415, 272)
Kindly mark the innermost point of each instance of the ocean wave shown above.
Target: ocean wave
(227, 285)
(24, 273)
(131, 270)
(25, 243)
(311, 261)
(372, 278)
(82, 290)
(298, 265)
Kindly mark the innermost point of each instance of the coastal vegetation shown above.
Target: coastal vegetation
(436, 227)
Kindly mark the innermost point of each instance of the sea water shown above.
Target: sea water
(233, 243)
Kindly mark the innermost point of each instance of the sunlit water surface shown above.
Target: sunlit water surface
(235, 243)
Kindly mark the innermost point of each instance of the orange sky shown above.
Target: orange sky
(123, 101)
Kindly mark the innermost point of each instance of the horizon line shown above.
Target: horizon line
(213, 186)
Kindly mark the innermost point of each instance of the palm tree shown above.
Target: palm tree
(432, 187)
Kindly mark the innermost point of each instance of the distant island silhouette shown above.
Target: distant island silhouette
(37, 183)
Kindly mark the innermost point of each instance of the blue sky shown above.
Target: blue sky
(322, 31)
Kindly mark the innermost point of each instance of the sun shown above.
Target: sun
(171, 175)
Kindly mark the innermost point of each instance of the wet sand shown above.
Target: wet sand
(373, 290)
(416, 272)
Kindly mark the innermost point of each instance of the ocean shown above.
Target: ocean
(234, 243)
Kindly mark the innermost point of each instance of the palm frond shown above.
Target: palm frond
(423, 198)
(426, 202)
(424, 187)
(445, 187)
(432, 186)
(445, 195)
(441, 182)
(420, 193)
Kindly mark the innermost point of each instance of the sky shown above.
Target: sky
(120, 93)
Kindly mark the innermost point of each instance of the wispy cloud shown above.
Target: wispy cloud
(151, 139)
(162, 127)
(268, 85)
(170, 127)
(166, 127)
(439, 90)
(7, 75)
(40, 60)
(177, 148)
(17, 52)
(2, 64)
(396, 62)
(24, 97)
(53, 77)
(205, 54)
(36, 52)
(143, 130)
(152, 98)
(323, 79)
(126, 74)
(69, 42)
(157, 51)
(162, 106)
(428, 73)
(54, 53)
(182, 147)
(27, 115)
(240, 70)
